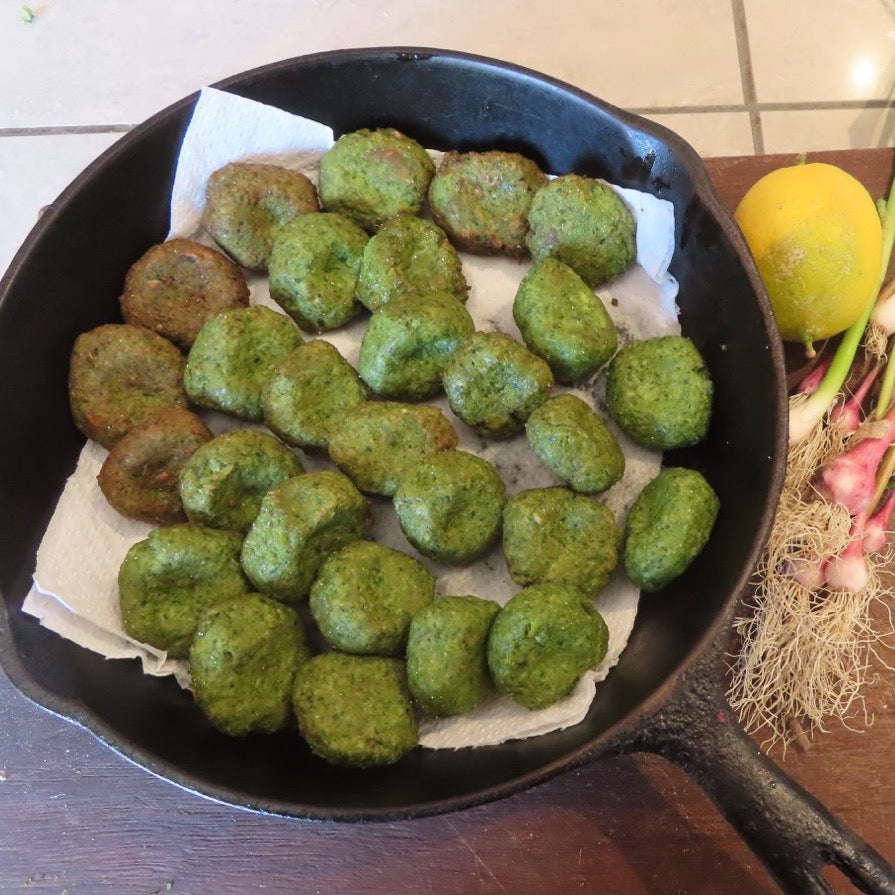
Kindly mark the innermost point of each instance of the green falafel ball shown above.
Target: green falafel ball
(313, 268)
(542, 641)
(447, 664)
(233, 356)
(660, 393)
(563, 321)
(408, 256)
(366, 595)
(243, 661)
(552, 535)
(380, 441)
(449, 506)
(575, 444)
(309, 392)
(372, 175)
(408, 342)
(583, 222)
(301, 521)
(222, 484)
(355, 710)
(120, 376)
(245, 204)
(170, 578)
(493, 383)
(482, 199)
(668, 525)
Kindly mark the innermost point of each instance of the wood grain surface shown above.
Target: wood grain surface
(76, 818)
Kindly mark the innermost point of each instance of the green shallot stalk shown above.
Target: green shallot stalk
(806, 413)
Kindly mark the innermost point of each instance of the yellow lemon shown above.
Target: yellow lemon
(816, 237)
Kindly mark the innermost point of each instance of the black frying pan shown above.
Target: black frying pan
(666, 694)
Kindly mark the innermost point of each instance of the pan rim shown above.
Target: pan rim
(82, 716)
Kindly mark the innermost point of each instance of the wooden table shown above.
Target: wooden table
(76, 819)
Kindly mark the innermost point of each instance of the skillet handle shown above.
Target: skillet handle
(784, 825)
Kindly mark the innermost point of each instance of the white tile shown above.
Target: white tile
(804, 131)
(805, 50)
(118, 61)
(33, 172)
(712, 133)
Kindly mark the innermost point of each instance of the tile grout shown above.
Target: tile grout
(747, 75)
(64, 129)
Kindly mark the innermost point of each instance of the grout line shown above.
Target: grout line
(808, 106)
(747, 77)
(65, 129)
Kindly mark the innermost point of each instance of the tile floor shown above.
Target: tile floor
(731, 76)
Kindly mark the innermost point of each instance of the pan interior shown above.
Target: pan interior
(66, 279)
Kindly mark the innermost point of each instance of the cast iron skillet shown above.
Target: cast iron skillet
(666, 694)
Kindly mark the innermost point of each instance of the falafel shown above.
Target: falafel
(177, 285)
(313, 269)
(170, 578)
(562, 320)
(120, 376)
(140, 474)
(301, 521)
(542, 641)
(233, 357)
(379, 442)
(584, 223)
(222, 484)
(245, 204)
(308, 394)
(554, 536)
(481, 200)
(371, 175)
(366, 595)
(493, 383)
(407, 343)
(449, 506)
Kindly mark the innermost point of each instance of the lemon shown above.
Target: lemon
(816, 237)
